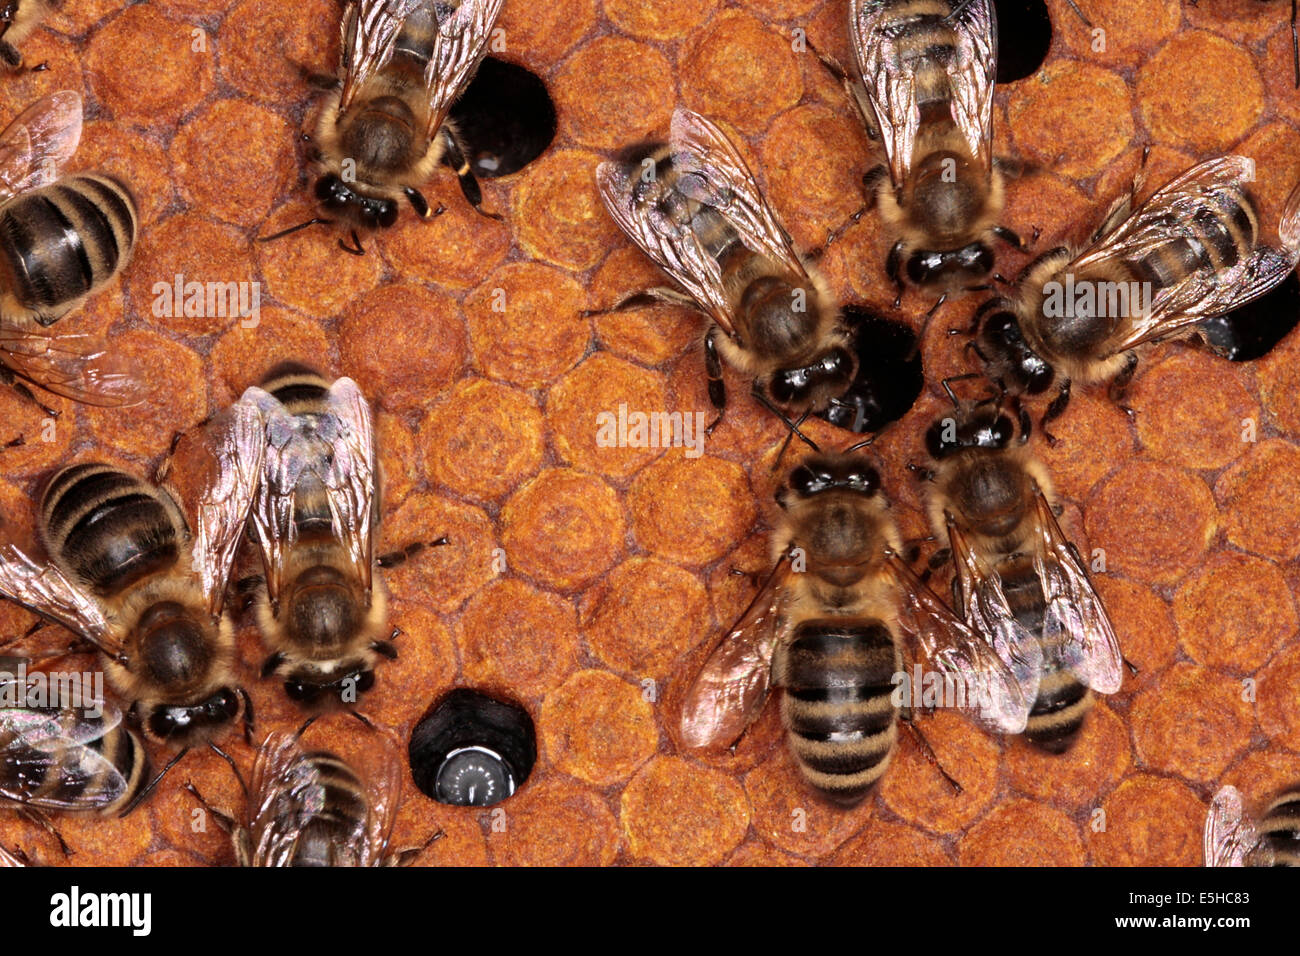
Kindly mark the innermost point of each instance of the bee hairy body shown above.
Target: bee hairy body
(60, 243)
(327, 812)
(1279, 828)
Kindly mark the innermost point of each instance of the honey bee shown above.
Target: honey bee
(319, 605)
(695, 209)
(310, 807)
(926, 71)
(1189, 253)
(63, 757)
(126, 574)
(1018, 580)
(1233, 838)
(383, 128)
(61, 239)
(18, 18)
(832, 625)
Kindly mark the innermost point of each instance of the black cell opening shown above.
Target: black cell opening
(889, 375)
(505, 117)
(1252, 331)
(1024, 36)
(471, 750)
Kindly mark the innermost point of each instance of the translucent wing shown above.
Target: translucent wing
(1171, 216)
(76, 366)
(42, 728)
(335, 449)
(728, 693)
(889, 62)
(987, 610)
(941, 643)
(50, 593)
(382, 781)
(49, 764)
(370, 30)
(36, 146)
(1230, 835)
(460, 45)
(223, 459)
(1074, 613)
(11, 858)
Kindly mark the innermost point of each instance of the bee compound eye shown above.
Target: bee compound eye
(472, 750)
(387, 214)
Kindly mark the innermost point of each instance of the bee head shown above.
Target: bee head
(815, 384)
(1010, 358)
(338, 197)
(312, 687)
(971, 263)
(981, 427)
(820, 473)
(186, 724)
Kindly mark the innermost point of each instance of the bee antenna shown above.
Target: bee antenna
(233, 766)
(317, 221)
(947, 385)
(307, 723)
(139, 797)
(1086, 22)
(793, 426)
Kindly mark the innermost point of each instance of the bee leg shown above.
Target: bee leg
(785, 445)
(421, 205)
(920, 472)
(224, 819)
(750, 576)
(315, 78)
(654, 296)
(149, 788)
(713, 369)
(356, 248)
(9, 55)
(394, 558)
(385, 648)
(893, 269)
(928, 752)
(1054, 410)
(1295, 45)
(454, 156)
(1037, 260)
(361, 718)
(272, 664)
(1075, 7)
(1022, 413)
(1133, 668)
(41, 820)
(1120, 383)
(1010, 237)
(233, 766)
(9, 378)
(407, 856)
(248, 726)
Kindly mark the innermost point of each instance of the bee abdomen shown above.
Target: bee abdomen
(63, 241)
(1058, 713)
(837, 707)
(334, 806)
(1280, 829)
(108, 527)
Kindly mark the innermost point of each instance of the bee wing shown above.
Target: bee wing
(74, 365)
(383, 785)
(728, 692)
(889, 75)
(36, 146)
(275, 821)
(1230, 835)
(460, 45)
(941, 643)
(9, 858)
(42, 745)
(370, 29)
(1075, 615)
(50, 593)
(225, 460)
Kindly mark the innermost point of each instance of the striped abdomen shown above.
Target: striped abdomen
(1219, 235)
(1279, 829)
(1062, 703)
(837, 709)
(61, 242)
(304, 392)
(926, 44)
(58, 779)
(329, 804)
(109, 528)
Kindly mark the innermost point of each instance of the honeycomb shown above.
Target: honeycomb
(581, 580)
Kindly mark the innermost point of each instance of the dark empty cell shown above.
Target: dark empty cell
(505, 118)
(1024, 36)
(889, 373)
(472, 750)
(1252, 331)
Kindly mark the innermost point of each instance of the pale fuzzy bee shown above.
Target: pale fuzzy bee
(696, 210)
(1233, 837)
(1019, 582)
(62, 238)
(382, 132)
(925, 91)
(311, 807)
(1191, 252)
(836, 621)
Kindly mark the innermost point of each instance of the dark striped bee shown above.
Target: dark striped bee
(695, 209)
(1018, 581)
(320, 606)
(1234, 838)
(926, 96)
(833, 626)
(67, 757)
(61, 239)
(1191, 252)
(310, 807)
(383, 128)
(18, 18)
(126, 573)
